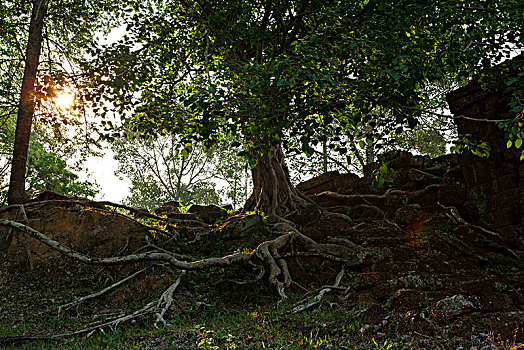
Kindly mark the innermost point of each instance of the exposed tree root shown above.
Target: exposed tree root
(89, 330)
(27, 240)
(165, 302)
(270, 257)
(132, 258)
(454, 214)
(312, 300)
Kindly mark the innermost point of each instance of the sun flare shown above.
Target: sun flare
(64, 99)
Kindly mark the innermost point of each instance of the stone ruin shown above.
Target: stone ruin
(495, 185)
(488, 192)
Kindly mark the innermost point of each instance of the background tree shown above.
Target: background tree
(52, 164)
(55, 30)
(160, 172)
(266, 71)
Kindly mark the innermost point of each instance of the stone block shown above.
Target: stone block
(477, 200)
(468, 172)
(505, 199)
(332, 181)
(521, 170)
(482, 169)
(506, 182)
(453, 189)
(502, 217)
(426, 197)
(512, 154)
(404, 214)
(364, 212)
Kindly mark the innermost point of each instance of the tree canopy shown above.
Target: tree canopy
(269, 70)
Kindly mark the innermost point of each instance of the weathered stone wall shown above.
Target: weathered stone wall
(495, 185)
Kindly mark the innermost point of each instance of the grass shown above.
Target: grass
(221, 320)
(270, 327)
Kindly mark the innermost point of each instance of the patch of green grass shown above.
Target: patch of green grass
(219, 327)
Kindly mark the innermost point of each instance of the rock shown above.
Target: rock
(364, 212)
(332, 181)
(395, 199)
(330, 199)
(427, 197)
(181, 216)
(404, 214)
(168, 207)
(453, 306)
(415, 281)
(208, 213)
(240, 226)
(417, 176)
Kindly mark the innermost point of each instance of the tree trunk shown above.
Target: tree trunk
(273, 192)
(16, 193)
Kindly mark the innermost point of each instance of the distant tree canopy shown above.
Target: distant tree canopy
(266, 71)
(159, 172)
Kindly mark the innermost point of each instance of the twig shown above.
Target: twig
(27, 239)
(334, 160)
(90, 330)
(102, 292)
(154, 246)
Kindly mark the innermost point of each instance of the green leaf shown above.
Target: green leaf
(252, 162)
(395, 76)
(518, 143)
(509, 143)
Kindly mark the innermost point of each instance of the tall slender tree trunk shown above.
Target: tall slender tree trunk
(273, 192)
(16, 193)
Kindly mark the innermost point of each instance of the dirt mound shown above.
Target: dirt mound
(78, 226)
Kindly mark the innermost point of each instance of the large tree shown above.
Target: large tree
(26, 107)
(267, 70)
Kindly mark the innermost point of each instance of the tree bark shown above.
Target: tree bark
(16, 193)
(273, 192)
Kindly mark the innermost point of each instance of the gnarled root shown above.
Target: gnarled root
(269, 256)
